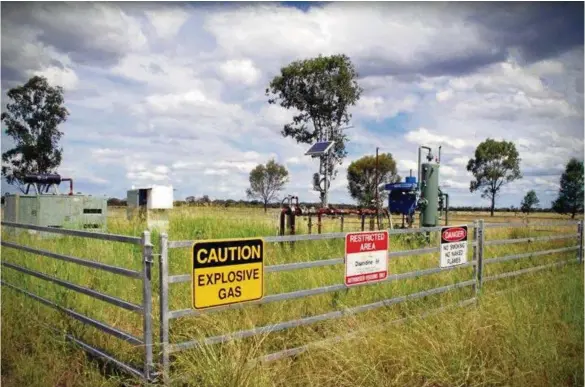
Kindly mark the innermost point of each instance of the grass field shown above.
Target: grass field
(530, 334)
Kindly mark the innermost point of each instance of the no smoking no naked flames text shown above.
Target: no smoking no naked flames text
(227, 272)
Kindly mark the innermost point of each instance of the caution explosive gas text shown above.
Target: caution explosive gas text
(227, 272)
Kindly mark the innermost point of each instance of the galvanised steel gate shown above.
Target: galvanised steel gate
(477, 262)
(146, 370)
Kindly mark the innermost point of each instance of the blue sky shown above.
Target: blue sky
(173, 93)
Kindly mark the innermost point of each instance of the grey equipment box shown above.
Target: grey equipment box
(70, 211)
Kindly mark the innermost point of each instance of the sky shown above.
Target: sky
(174, 93)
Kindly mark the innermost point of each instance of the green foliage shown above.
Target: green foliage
(32, 117)
(266, 181)
(529, 202)
(321, 89)
(495, 164)
(361, 177)
(570, 199)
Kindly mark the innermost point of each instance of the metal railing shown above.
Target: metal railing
(146, 370)
(477, 243)
(150, 368)
(167, 315)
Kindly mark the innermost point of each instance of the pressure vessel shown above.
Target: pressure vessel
(430, 193)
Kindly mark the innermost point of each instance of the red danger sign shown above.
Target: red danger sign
(366, 257)
(454, 234)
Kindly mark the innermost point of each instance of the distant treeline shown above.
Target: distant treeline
(206, 202)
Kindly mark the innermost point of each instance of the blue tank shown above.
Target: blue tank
(402, 197)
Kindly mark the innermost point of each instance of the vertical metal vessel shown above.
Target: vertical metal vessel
(429, 216)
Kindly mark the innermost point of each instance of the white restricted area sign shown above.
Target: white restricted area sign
(366, 257)
(453, 246)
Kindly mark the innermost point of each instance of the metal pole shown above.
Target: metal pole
(580, 229)
(147, 302)
(377, 197)
(475, 258)
(446, 209)
(164, 306)
(480, 240)
(325, 181)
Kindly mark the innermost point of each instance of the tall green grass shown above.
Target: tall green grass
(416, 353)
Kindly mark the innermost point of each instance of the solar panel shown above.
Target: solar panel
(320, 148)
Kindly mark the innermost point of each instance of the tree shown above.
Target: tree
(266, 181)
(496, 163)
(529, 202)
(321, 90)
(361, 177)
(32, 117)
(570, 199)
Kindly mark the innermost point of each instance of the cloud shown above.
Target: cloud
(425, 136)
(174, 93)
(167, 21)
(240, 70)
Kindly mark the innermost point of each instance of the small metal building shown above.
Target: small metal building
(151, 204)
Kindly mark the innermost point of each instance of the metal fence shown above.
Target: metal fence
(146, 370)
(475, 281)
(473, 278)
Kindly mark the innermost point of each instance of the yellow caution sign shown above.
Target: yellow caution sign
(227, 272)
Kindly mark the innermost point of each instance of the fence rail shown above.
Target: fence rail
(480, 242)
(477, 262)
(145, 310)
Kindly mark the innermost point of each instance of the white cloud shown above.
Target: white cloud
(444, 95)
(211, 171)
(459, 161)
(161, 93)
(167, 22)
(424, 136)
(65, 78)
(242, 70)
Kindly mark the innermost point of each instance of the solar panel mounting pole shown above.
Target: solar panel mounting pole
(326, 159)
(377, 197)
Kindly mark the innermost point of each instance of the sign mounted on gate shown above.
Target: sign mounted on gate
(227, 272)
(366, 257)
(453, 246)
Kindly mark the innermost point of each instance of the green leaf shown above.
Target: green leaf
(33, 115)
(570, 199)
(496, 163)
(320, 90)
(361, 177)
(266, 181)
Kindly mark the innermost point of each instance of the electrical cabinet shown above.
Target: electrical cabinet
(60, 211)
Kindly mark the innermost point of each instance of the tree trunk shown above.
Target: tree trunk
(493, 205)
(265, 205)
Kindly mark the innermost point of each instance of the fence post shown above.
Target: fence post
(164, 305)
(147, 303)
(475, 250)
(480, 239)
(580, 230)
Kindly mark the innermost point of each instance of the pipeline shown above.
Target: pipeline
(287, 220)
(446, 209)
(45, 181)
(70, 180)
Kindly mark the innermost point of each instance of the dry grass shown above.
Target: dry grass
(532, 336)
